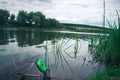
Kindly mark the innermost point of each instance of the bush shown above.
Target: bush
(108, 74)
(108, 49)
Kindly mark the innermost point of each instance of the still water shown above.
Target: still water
(68, 54)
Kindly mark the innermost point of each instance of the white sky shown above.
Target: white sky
(70, 11)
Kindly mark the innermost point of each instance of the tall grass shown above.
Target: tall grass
(108, 74)
(108, 49)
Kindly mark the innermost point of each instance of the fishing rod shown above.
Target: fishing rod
(47, 72)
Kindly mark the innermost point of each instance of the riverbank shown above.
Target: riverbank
(108, 52)
(54, 30)
(65, 28)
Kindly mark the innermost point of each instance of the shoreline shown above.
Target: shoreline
(52, 30)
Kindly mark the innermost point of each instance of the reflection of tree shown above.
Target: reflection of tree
(6, 36)
(20, 37)
(25, 38)
(29, 38)
(3, 37)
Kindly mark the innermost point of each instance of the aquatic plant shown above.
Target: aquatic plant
(108, 74)
(108, 52)
(58, 53)
(108, 49)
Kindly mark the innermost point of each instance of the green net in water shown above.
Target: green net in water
(40, 65)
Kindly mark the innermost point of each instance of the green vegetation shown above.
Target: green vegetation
(85, 28)
(108, 74)
(108, 52)
(108, 49)
(31, 19)
(4, 14)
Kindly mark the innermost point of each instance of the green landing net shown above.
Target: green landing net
(40, 65)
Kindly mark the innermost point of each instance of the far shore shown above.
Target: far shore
(72, 30)
(51, 30)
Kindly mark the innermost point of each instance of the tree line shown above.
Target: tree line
(28, 19)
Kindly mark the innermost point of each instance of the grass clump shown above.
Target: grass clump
(108, 74)
(108, 49)
(108, 52)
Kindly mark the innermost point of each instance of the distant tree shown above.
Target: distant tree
(27, 19)
(4, 15)
(46, 23)
(12, 19)
(43, 21)
(30, 18)
(22, 18)
(53, 23)
(39, 19)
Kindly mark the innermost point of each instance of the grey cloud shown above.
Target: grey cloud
(45, 0)
(3, 2)
(113, 1)
(84, 6)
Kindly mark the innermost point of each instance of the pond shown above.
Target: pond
(69, 56)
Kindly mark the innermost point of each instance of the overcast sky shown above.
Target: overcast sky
(70, 11)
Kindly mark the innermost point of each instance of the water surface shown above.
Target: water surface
(69, 55)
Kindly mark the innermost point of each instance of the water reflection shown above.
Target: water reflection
(68, 54)
(3, 37)
(29, 38)
(25, 38)
(32, 38)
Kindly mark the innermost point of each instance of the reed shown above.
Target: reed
(108, 49)
(108, 52)
(108, 74)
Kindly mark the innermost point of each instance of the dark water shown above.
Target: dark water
(69, 56)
